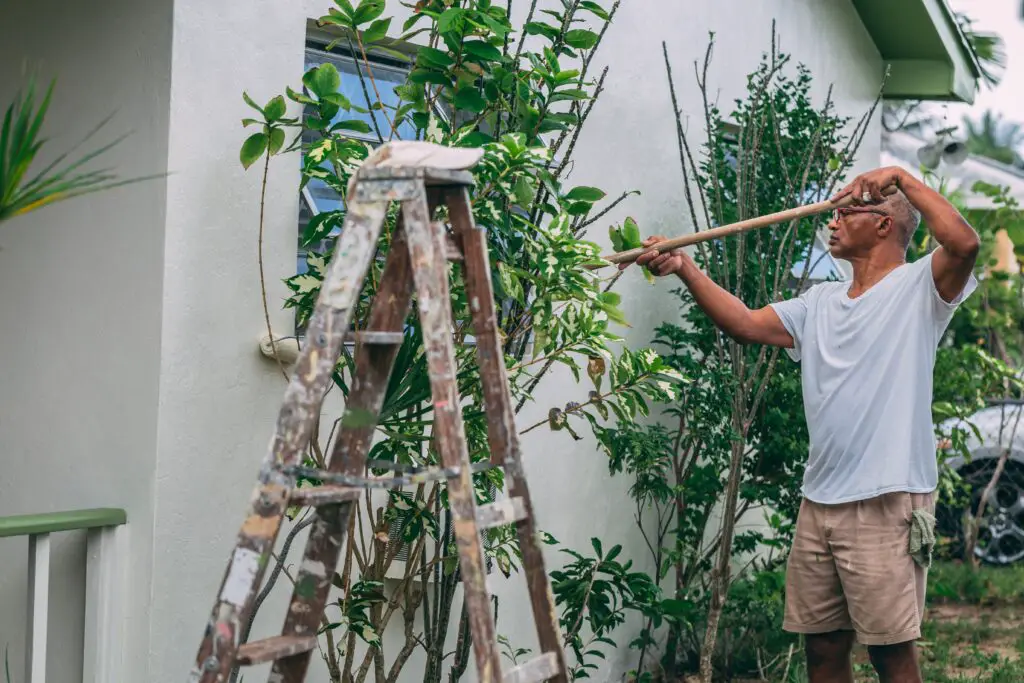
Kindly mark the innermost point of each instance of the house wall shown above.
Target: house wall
(217, 396)
(80, 311)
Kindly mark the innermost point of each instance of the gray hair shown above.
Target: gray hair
(905, 216)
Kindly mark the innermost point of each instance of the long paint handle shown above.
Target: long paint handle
(631, 255)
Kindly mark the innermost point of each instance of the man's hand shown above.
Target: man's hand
(867, 187)
(660, 264)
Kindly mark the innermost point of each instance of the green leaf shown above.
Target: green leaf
(585, 194)
(353, 125)
(595, 8)
(323, 80)
(447, 21)
(500, 29)
(298, 97)
(276, 140)
(581, 38)
(481, 50)
(537, 28)
(275, 109)
(338, 100)
(631, 234)
(569, 95)
(252, 149)
(676, 608)
(421, 76)
(524, 191)
(470, 99)
(596, 542)
(367, 11)
(551, 123)
(411, 21)
(435, 57)
(615, 233)
(1015, 231)
(248, 100)
(320, 225)
(565, 76)
(377, 30)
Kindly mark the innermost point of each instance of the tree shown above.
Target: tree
(995, 139)
(474, 82)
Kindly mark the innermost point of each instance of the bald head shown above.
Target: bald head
(905, 217)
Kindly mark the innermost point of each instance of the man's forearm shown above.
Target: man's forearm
(727, 312)
(950, 229)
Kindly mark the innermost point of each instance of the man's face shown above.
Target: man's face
(856, 230)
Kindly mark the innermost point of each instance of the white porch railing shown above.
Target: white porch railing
(104, 586)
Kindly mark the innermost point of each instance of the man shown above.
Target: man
(867, 350)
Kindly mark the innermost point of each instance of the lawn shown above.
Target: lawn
(972, 631)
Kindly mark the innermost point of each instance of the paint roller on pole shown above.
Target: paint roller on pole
(631, 255)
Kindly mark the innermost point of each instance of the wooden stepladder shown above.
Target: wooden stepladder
(420, 176)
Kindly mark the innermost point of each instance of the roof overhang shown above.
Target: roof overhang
(920, 41)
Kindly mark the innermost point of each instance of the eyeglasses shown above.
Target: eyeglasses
(838, 214)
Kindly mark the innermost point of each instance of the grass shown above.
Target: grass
(972, 631)
(958, 583)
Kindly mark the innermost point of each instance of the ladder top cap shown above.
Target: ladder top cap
(432, 177)
(436, 164)
(419, 154)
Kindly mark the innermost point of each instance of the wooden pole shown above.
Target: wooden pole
(631, 255)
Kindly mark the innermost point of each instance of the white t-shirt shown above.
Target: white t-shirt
(867, 368)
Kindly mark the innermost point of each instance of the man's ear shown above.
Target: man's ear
(885, 227)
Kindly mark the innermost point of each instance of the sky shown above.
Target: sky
(1002, 17)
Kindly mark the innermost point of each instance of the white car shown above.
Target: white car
(1001, 532)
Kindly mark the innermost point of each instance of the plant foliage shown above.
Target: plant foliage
(522, 94)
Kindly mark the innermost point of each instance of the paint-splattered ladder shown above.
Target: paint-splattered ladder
(416, 261)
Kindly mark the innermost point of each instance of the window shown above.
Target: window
(388, 74)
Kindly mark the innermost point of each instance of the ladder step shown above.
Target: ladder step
(271, 649)
(500, 512)
(377, 337)
(323, 495)
(534, 671)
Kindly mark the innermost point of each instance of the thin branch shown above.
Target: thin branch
(366, 92)
(263, 279)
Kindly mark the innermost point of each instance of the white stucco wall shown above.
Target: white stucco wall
(194, 460)
(81, 287)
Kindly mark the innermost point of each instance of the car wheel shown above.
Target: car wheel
(1001, 530)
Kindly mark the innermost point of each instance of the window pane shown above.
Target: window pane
(386, 77)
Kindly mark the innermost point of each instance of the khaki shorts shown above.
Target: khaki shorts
(850, 569)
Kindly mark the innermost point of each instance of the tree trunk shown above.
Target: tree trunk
(720, 575)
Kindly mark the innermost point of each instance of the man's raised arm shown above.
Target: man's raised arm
(953, 261)
(761, 326)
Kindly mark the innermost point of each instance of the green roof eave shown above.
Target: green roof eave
(920, 41)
